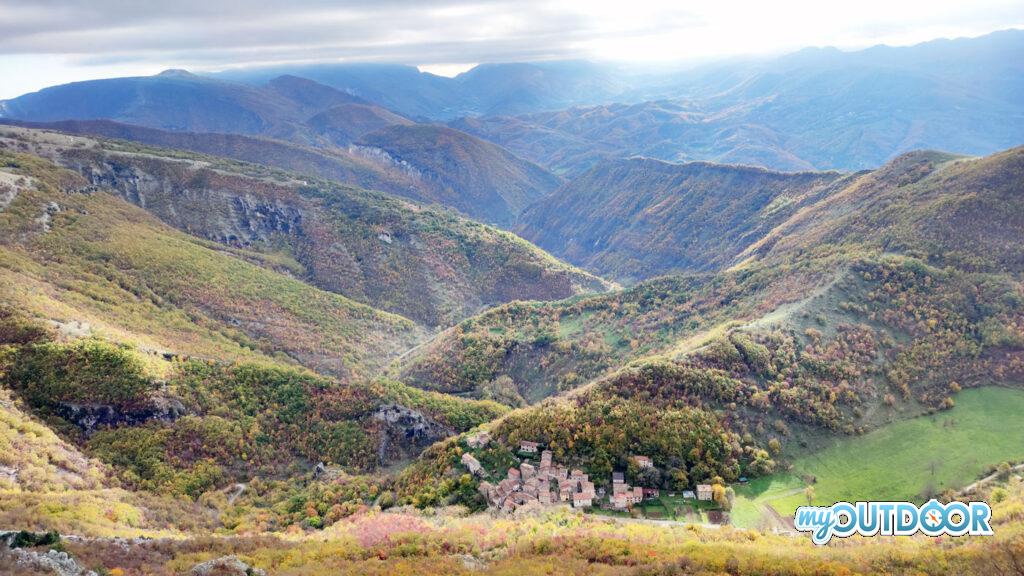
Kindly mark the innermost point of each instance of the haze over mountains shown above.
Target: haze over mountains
(814, 109)
(330, 133)
(509, 88)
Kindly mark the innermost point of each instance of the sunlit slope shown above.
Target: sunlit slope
(74, 255)
(427, 264)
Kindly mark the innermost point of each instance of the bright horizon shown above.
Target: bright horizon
(59, 41)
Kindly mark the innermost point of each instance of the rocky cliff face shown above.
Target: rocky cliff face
(91, 417)
(201, 201)
(429, 265)
(406, 432)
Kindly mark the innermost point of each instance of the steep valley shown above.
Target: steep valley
(637, 218)
(180, 359)
(807, 337)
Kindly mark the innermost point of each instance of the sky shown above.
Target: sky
(47, 42)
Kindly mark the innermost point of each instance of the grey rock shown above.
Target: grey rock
(407, 431)
(225, 566)
(89, 417)
(59, 563)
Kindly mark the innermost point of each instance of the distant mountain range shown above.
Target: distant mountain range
(815, 109)
(507, 88)
(570, 179)
(297, 124)
(818, 108)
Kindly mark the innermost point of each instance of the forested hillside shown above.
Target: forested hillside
(429, 265)
(637, 218)
(813, 338)
(469, 174)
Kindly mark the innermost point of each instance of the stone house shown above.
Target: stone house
(544, 492)
(582, 500)
(528, 447)
(561, 473)
(635, 495)
(582, 490)
(545, 459)
(704, 492)
(564, 492)
(528, 471)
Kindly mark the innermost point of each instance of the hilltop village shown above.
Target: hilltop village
(533, 486)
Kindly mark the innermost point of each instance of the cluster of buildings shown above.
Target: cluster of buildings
(547, 484)
(538, 486)
(623, 495)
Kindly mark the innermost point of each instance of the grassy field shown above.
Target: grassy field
(901, 461)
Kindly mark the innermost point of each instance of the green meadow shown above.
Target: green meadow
(901, 461)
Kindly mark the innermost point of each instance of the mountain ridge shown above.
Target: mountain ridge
(431, 265)
(572, 342)
(454, 161)
(638, 217)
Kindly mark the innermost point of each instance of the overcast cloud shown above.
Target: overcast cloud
(44, 42)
